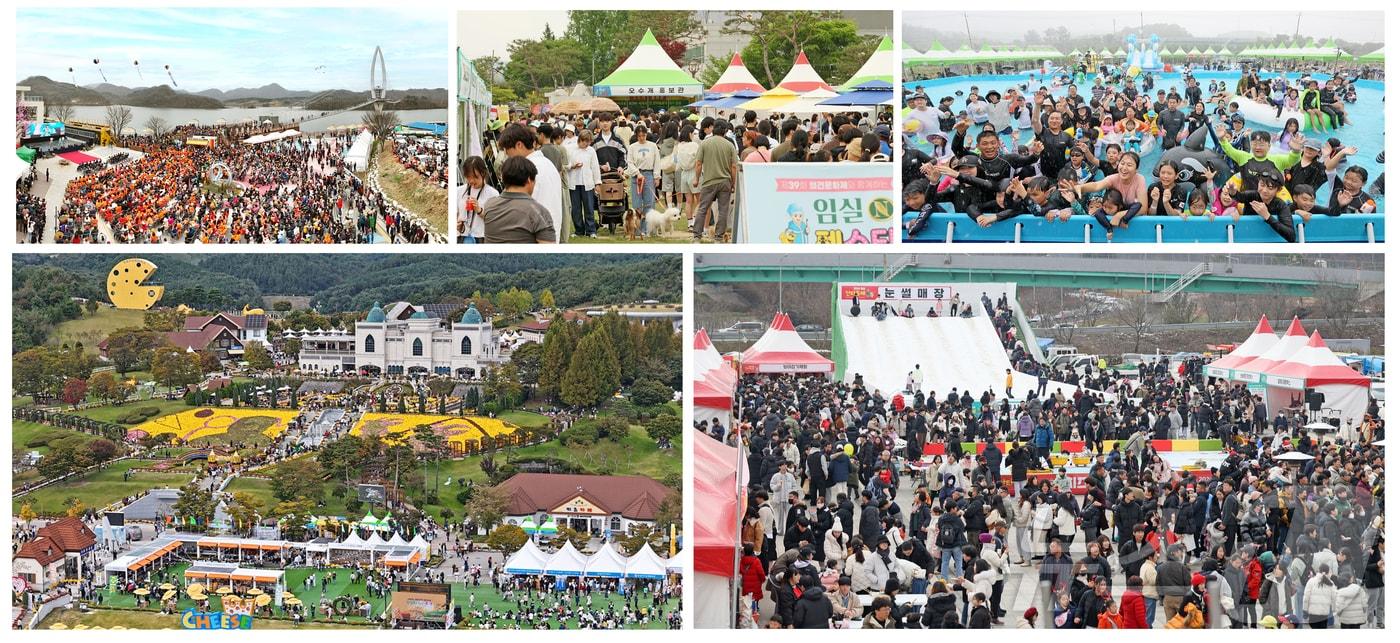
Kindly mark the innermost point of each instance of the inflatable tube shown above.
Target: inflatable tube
(1237, 182)
(1264, 114)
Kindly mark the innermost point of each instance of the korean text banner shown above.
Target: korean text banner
(818, 203)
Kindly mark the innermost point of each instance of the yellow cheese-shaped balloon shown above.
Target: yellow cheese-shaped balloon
(126, 285)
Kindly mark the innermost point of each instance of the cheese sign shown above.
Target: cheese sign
(578, 505)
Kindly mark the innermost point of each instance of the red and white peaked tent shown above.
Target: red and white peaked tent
(712, 384)
(1252, 371)
(802, 78)
(1258, 343)
(782, 350)
(1346, 393)
(717, 477)
(736, 77)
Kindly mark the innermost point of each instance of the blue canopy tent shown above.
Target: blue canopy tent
(866, 94)
(720, 101)
(439, 129)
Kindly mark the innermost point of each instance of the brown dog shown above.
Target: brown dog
(632, 225)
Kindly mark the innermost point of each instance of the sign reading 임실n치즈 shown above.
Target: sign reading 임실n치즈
(834, 203)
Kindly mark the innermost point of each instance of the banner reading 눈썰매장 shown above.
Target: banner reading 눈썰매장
(818, 203)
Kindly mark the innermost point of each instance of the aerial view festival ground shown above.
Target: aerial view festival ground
(347, 441)
(675, 126)
(250, 130)
(1143, 127)
(1039, 441)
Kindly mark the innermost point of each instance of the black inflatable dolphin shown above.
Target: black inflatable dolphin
(1192, 157)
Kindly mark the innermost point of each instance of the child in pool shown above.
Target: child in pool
(1265, 202)
(1305, 204)
(1167, 197)
(1198, 205)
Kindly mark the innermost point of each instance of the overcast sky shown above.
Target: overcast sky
(1353, 26)
(311, 49)
(483, 33)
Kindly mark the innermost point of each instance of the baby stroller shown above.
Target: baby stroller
(612, 200)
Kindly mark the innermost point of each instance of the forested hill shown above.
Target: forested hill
(352, 282)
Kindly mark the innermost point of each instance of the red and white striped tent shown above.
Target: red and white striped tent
(1258, 343)
(1346, 393)
(1252, 371)
(736, 78)
(802, 78)
(713, 383)
(782, 350)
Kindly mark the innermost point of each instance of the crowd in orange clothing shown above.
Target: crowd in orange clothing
(426, 155)
(295, 190)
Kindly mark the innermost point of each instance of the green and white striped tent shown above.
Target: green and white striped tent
(1377, 56)
(648, 72)
(878, 67)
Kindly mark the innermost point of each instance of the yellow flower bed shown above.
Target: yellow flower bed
(396, 427)
(205, 422)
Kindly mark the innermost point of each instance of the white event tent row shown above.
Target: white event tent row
(270, 137)
(607, 562)
(1284, 369)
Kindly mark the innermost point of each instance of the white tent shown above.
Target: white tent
(677, 564)
(645, 564)
(353, 540)
(736, 77)
(803, 78)
(421, 544)
(21, 167)
(397, 541)
(878, 67)
(357, 157)
(782, 350)
(810, 103)
(1292, 340)
(568, 561)
(606, 563)
(1258, 343)
(375, 540)
(528, 561)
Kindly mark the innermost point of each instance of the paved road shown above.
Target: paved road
(316, 433)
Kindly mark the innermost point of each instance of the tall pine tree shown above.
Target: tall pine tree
(594, 374)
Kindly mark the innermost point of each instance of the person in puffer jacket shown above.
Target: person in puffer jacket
(1350, 603)
(1255, 526)
(1319, 596)
(940, 602)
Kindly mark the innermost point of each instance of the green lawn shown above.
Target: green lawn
(295, 577)
(100, 488)
(262, 490)
(115, 414)
(524, 418)
(92, 329)
(151, 620)
(28, 432)
(635, 455)
(21, 401)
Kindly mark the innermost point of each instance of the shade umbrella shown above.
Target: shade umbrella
(1294, 456)
(567, 106)
(262, 599)
(292, 601)
(165, 586)
(1319, 426)
(195, 588)
(600, 104)
(142, 592)
(256, 592)
(58, 626)
(169, 594)
(224, 591)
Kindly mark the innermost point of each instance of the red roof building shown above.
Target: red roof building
(595, 504)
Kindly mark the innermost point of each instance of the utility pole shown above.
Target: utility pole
(967, 26)
(1297, 26)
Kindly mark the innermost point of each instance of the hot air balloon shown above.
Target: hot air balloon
(171, 74)
(137, 64)
(98, 63)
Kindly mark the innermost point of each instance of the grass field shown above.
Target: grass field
(524, 418)
(26, 433)
(295, 577)
(99, 488)
(262, 490)
(90, 330)
(115, 414)
(421, 196)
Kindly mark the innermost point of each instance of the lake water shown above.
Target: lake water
(313, 119)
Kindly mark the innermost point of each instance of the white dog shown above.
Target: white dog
(659, 222)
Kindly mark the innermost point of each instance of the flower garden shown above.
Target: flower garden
(210, 425)
(464, 434)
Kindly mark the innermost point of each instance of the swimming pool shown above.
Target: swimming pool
(1366, 133)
